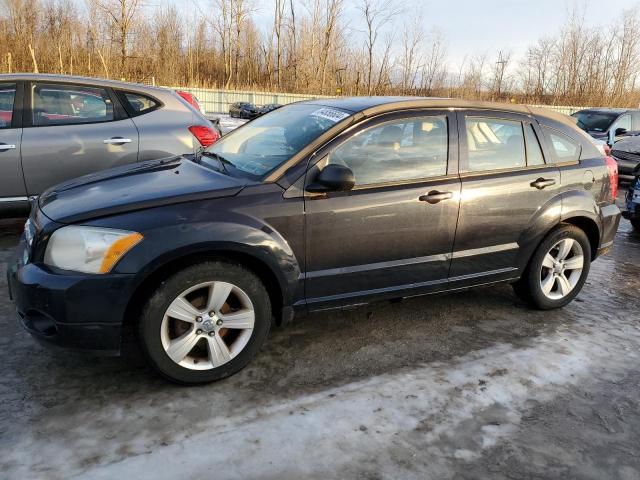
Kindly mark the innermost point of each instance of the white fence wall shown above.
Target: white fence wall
(219, 100)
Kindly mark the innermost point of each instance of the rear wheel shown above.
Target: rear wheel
(205, 322)
(557, 270)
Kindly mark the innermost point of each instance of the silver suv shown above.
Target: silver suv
(57, 127)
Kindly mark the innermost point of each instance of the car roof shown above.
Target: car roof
(50, 77)
(376, 105)
(616, 111)
(369, 106)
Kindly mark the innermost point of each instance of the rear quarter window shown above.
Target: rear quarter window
(563, 147)
(137, 103)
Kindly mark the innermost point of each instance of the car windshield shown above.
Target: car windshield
(262, 145)
(595, 121)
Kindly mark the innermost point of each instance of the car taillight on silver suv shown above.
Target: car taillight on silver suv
(207, 136)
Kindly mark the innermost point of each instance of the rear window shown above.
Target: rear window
(138, 103)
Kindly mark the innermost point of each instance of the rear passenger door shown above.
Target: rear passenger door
(506, 185)
(71, 130)
(12, 189)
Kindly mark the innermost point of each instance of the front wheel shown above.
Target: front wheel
(205, 322)
(557, 270)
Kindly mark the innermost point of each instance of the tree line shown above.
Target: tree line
(355, 47)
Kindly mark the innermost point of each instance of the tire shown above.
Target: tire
(547, 284)
(635, 223)
(176, 323)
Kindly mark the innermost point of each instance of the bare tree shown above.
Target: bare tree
(434, 71)
(277, 30)
(120, 15)
(375, 13)
(411, 61)
(498, 76)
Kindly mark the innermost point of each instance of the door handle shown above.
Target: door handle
(116, 141)
(4, 146)
(542, 183)
(434, 196)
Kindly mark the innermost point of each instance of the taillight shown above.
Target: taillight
(612, 167)
(191, 100)
(205, 135)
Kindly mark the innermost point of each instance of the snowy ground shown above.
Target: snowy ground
(463, 386)
(226, 122)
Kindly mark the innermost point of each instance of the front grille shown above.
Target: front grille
(632, 157)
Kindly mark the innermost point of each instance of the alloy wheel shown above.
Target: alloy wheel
(561, 269)
(207, 325)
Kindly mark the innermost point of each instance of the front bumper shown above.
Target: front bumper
(72, 310)
(626, 169)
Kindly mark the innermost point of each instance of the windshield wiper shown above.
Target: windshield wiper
(221, 160)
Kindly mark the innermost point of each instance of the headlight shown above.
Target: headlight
(29, 232)
(88, 249)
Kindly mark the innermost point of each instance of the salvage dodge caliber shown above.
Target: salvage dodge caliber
(317, 205)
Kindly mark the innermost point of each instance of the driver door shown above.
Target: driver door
(392, 234)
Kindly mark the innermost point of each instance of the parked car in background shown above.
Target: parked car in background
(627, 153)
(632, 203)
(54, 128)
(317, 205)
(243, 110)
(270, 107)
(608, 124)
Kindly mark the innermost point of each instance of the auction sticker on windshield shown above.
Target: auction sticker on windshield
(330, 114)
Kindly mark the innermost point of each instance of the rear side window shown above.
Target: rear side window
(396, 151)
(53, 104)
(565, 148)
(494, 144)
(138, 103)
(7, 97)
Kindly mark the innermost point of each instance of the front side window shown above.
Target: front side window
(262, 145)
(7, 97)
(401, 150)
(565, 149)
(69, 104)
(494, 144)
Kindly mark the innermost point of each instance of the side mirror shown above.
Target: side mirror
(621, 131)
(333, 178)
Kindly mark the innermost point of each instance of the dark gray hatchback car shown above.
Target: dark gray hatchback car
(316, 205)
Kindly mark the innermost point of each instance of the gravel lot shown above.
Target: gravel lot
(463, 386)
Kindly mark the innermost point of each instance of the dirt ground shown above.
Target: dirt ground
(462, 386)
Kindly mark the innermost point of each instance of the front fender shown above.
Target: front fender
(168, 244)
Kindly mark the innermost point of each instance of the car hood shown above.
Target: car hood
(628, 144)
(134, 187)
(598, 135)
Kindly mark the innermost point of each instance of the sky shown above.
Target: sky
(473, 27)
